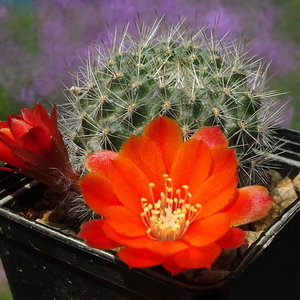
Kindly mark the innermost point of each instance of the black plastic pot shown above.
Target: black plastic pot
(42, 263)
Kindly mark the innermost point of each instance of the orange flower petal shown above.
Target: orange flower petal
(211, 135)
(191, 165)
(99, 161)
(252, 204)
(170, 265)
(124, 221)
(97, 192)
(137, 258)
(204, 163)
(130, 184)
(223, 159)
(147, 157)
(215, 193)
(166, 247)
(125, 240)
(233, 238)
(165, 132)
(94, 235)
(194, 258)
(204, 232)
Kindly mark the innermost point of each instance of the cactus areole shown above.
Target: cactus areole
(193, 77)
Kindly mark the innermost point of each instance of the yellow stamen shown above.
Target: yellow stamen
(168, 218)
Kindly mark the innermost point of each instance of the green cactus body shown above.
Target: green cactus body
(167, 70)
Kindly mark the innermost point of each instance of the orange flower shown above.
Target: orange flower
(33, 145)
(169, 202)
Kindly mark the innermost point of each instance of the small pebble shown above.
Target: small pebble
(285, 191)
(224, 260)
(296, 182)
(205, 275)
(252, 236)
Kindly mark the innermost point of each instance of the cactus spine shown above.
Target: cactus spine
(195, 78)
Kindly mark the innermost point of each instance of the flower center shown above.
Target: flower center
(168, 218)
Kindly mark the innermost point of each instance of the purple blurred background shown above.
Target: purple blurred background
(61, 29)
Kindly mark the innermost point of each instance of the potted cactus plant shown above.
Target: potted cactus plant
(159, 162)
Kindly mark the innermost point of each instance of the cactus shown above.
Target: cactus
(195, 78)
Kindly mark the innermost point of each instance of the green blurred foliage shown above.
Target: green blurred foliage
(19, 23)
(290, 21)
(7, 105)
(289, 24)
(5, 293)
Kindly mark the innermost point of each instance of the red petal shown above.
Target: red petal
(61, 161)
(204, 232)
(34, 147)
(34, 120)
(5, 132)
(97, 192)
(18, 127)
(196, 258)
(11, 169)
(38, 140)
(191, 165)
(252, 204)
(6, 141)
(130, 184)
(41, 113)
(140, 258)
(211, 135)
(3, 125)
(215, 193)
(95, 237)
(7, 157)
(147, 157)
(124, 221)
(57, 143)
(100, 161)
(165, 132)
(234, 238)
(6, 154)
